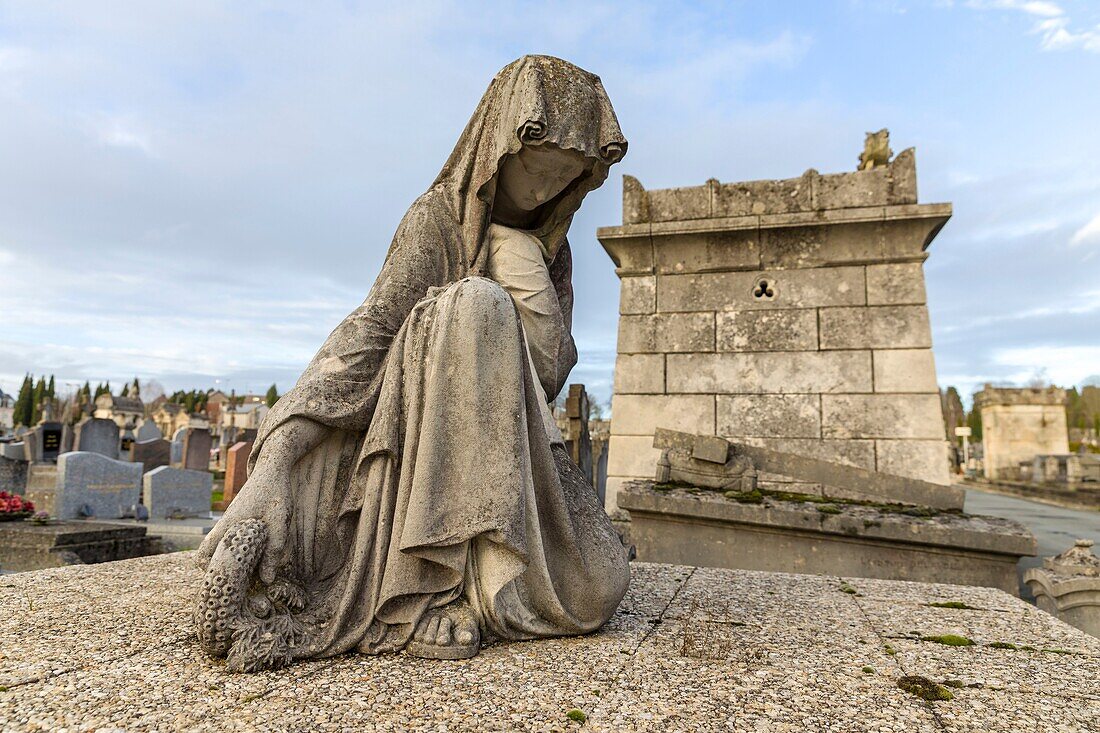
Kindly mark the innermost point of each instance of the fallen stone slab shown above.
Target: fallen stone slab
(110, 647)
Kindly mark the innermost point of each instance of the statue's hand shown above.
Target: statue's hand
(264, 496)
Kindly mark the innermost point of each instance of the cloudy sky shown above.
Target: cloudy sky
(197, 192)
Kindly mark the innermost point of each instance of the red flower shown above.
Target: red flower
(4, 495)
(28, 506)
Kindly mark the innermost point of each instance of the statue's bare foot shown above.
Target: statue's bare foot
(450, 632)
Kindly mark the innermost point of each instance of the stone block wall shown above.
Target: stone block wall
(1019, 424)
(787, 314)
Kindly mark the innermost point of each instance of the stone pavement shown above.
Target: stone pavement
(109, 647)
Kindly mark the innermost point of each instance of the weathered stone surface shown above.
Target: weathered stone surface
(642, 414)
(784, 243)
(769, 416)
(849, 190)
(834, 286)
(90, 484)
(904, 370)
(767, 196)
(197, 443)
(177, 493)
(638, 295)
(152, 454)
(97, 435)
(640, 374)
(175, 452)
(680, 203)
(777, 373)
(881, 416)
(236, 470)
(858, 541)
(691, 649)
(631, 455)
(666, 333)
(1068, 587)
(878, 327)
(13, 475)
(921, 459)
(760, 330)
(858, 453)
(13, 451)
(709, 252)
(25, 546)
(895, 284)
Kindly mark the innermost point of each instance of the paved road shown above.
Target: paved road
(1055, 528)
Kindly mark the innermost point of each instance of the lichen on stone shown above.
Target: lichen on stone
(924, 688)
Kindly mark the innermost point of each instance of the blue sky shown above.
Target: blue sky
(198, 192)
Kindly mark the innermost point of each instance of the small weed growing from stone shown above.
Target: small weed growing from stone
(949, 640)
(868, 670)
(953, 604)
(924, 688)
(577, 715)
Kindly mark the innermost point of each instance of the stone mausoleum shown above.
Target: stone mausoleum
(789, 314)
(1020, 424)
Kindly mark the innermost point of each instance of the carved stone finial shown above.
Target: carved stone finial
(1077, 560)
(876, 150)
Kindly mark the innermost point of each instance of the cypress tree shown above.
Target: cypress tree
(272, 396)
(23, 403)
(37, 397)
(125, 391)
(50, 388)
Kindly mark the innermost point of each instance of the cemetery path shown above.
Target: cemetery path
(1056, 528)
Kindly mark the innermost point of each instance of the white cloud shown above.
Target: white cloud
(1064, 365)
(1089, 233)
(1054, 28)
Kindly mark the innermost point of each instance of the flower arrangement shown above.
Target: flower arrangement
(14, 506)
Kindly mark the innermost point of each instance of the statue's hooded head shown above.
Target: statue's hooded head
(533, 101)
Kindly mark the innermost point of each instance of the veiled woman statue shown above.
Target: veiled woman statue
(413, 491)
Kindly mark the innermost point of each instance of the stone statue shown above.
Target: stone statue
(412, 492)
(876, 150)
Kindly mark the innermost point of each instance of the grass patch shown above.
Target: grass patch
(924, 688)
(953, 604)
(949, 640)
(577, 715)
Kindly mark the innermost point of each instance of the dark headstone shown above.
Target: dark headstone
(152, 454)
(97, 435)
(196, 449)
(147, 430)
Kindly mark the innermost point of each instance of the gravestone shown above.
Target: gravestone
(13, 474)
(66, 438)
(42, 444)
(125, 443)
(152, 454)
(177, 493)
(236, 471)
(147, 430)
(14, 451)
(93, 485)
(175, 452)
(97, 435)
(196, 449)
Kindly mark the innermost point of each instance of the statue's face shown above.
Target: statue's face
(537, 174)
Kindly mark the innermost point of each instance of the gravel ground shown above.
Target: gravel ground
(109, 648)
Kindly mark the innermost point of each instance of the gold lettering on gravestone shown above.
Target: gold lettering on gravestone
(107, 487)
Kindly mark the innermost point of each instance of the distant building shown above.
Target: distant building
(244, 416)
(125, 411)
(7, 412)
(1020, 424)
(170, 417)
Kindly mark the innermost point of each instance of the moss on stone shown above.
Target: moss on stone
(745, 497)
(953, 604)
(829, 509)
(957, 684)
(845, 588)
(1001, 645)
(949, 640)
(924, 688)
(890, 650)
(1058, 651)
(577, 715)
(868, 670)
